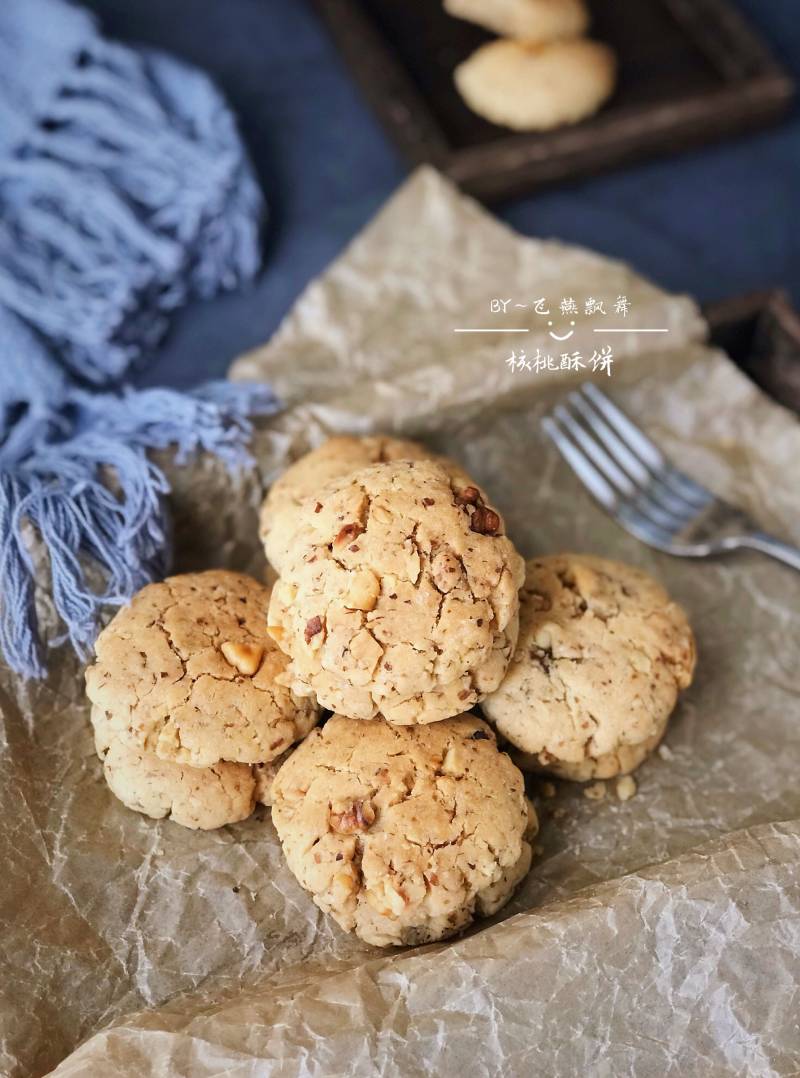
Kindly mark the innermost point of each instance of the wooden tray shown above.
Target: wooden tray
(690, 71)
(761, 333)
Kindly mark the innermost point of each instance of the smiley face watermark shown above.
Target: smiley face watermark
(566, 336)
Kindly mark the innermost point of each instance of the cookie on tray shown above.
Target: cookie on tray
(400, 597)
(601, 657)
(201, 798)
(530, 87)
(537, 21)
(187, 671)
(339, 456)
(404, 834)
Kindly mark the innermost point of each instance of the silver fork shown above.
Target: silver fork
(643, 491)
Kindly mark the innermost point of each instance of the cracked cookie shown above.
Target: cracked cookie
(201, 798)
(400, 596)
(601, 657)
(404, 834)
(334, 459)
(536, 21)
(188, 672)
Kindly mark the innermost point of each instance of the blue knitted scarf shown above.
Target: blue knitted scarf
(124, 191)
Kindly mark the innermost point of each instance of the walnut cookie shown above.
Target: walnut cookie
(196, 797)
(400, 597)
(404, 834)
(201, 798)
(337, 457)
(188, 673)
(601, 657)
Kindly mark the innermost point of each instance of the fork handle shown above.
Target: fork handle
(767, 544)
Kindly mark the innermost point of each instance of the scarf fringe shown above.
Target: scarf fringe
(97, 499)
(133, 194)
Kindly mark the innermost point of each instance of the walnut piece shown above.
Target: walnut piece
(348, 533)
(485, 521)
(387, 899)
(246, 658)
(359, 817)
(469, 496)
(363, 591)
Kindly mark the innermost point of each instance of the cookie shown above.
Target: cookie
(201, 798)
(531, 87)
(188, 672)
(400, 597)
(601, 657)
(338, 457)
(538, 21)
(404, 834)
(264, 775)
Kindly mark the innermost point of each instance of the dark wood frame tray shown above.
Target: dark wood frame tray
(761, 333)
(691, 71)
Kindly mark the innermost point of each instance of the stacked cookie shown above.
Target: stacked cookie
(189, 716)
(397, 605)
(400, 605)
(542, 72)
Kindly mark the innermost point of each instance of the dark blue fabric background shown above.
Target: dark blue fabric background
(715, 222)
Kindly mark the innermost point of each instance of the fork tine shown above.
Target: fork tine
(639, 525)
(635, 523)
(629, 461)
(596, 453)
(647, 450)
(637, 497)
(665, 498)
(583, 468)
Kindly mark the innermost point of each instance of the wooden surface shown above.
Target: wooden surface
(761, 333)
(690, 71)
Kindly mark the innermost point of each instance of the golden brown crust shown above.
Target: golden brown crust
(400, 597)
(403, 834)
(197, 797)
(601, 657)
(336, 458)
(171, 673)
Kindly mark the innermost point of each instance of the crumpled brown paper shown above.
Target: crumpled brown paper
(653, 937)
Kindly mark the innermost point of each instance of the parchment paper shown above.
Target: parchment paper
(660, 936)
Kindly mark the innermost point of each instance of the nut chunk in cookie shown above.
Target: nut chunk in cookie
(400, 597)
(340, 456)
(188, 672)
(601, 657)
(404, 834)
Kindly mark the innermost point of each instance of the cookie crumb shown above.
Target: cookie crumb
(666, 753)
(626, 788)
(548, 789)
(595, 792)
